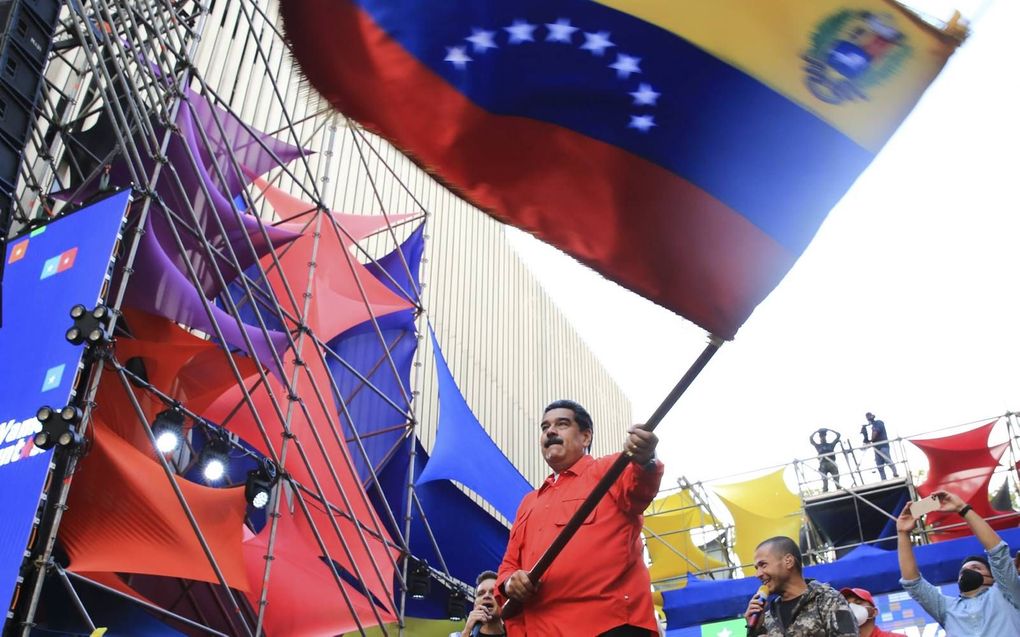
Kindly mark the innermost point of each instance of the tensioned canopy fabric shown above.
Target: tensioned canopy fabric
(668, 525)
(762, 507)
(963, 463)
(123, 516)
(464, 451)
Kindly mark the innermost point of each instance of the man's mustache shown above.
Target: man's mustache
(553, 441)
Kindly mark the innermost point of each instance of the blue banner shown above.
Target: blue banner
(49, 270)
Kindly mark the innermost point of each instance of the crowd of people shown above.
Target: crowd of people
(988, 603)
(599, 585)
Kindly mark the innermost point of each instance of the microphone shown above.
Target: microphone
(477, 630)
(752, 623)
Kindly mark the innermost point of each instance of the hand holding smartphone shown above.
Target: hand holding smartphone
(924, 505)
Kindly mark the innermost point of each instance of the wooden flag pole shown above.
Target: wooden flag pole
(513, 607)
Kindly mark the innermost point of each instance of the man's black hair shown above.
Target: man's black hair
(784, 546)
(484, 575)
(976, 558)
(581, 414)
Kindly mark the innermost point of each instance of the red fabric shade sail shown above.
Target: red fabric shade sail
(299, 578)
(123, 516)
(963, 464)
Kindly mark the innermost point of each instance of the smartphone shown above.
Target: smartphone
(925, 505)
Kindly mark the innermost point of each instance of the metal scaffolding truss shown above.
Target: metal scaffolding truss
(119, 75)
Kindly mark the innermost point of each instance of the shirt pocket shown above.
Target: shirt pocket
(520, 524)
(568, 509)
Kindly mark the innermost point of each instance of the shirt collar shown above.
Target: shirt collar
(574, 470)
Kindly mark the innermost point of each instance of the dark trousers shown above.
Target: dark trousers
(627, 631)
(826, 466)
(883, 457)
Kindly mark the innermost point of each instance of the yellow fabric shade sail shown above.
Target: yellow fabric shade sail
(668, 525)
(761, 508)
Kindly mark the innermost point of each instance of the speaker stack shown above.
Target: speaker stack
(26, 35)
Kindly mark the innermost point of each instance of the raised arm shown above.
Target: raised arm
(1003, 571)
(952, 503)
(928, 596)
(639, 483)
(904, 549)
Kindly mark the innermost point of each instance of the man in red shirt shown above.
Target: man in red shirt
(599, 584)
(863, 606)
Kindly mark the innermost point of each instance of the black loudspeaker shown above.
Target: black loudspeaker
(26, 36)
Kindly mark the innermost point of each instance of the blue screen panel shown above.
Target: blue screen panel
(46, 272)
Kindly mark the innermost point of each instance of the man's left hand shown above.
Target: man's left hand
(949, 502)
(640, 444)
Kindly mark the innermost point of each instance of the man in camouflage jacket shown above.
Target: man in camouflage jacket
(787, 605)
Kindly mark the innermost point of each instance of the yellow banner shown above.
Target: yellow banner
(860, 65)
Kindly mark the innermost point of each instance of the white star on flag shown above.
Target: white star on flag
(560, 31)
(521, 31)
(645, 95)
(625, 65)
(457, 56)
(597, 43)
(643, 123)
(482, 39)
(725, 632)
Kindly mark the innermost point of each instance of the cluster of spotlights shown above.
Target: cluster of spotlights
(214, 458)
(59, 427)
(90, 326)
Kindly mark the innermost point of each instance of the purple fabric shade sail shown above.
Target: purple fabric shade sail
(194, 202)
(159, 287)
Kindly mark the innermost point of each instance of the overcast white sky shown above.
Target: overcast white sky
(906, 304)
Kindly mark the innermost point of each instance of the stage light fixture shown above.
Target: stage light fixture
(168, 428)
(260, 483)
(89, 325)
(419, 578)
(59, 428)
(456, 606)
(214, 457)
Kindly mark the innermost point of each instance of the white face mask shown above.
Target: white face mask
(860, 613)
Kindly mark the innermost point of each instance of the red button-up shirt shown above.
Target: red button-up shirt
(600, 580)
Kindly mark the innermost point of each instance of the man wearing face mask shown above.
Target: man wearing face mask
(989, 601)
(862, 605)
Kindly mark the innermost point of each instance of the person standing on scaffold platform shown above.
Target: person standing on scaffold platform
(880, 439)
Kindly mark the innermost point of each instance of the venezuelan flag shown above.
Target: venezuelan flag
(687, 150)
